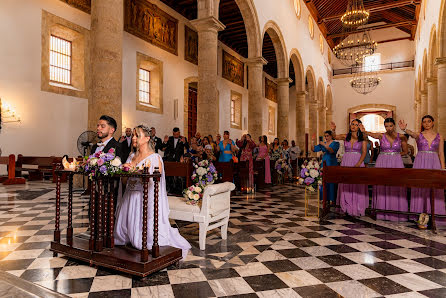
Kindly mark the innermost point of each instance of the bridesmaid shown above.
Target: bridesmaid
(330, 149)
(353, 198)
(430, 156)
(263, 155)
(392, 147)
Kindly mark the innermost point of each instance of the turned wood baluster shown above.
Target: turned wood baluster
(70, 210)
(98, 245)
(105, 212)
(155, 247)
(57, 227)
(92, 214)
(111, 215)
(144, 250)
(432, 198)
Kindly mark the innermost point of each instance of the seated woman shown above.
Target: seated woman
(330, 149)
(128, 227)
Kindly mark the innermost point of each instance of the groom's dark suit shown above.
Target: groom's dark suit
(111, 144)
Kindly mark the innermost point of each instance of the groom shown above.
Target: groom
(105, 129)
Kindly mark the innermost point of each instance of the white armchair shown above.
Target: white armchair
(214, 211)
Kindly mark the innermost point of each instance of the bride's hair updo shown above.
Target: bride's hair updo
(148, 133)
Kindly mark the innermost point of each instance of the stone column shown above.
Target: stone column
(255, 96)
(283, 103)
(432, 91)
(424, 105)
(441, 95)
(329, 120)
(418, 116)
(312, 119)
(322, 120)
(300, 119)
(207, 97)
(107, 23)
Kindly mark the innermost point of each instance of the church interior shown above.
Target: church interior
(222, 148)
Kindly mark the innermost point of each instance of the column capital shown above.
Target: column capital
(440, 61)
(301, 93)
(423, 93)
(283, 81)
(431, 80)
(256, 61)
(208, 24)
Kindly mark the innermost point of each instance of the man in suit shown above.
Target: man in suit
(126, 144)
(174, 146)
(158, 141)
(105, 129)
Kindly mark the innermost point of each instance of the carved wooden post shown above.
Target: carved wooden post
(57, 225)
(434, 224)
(144, 250)
(92, 214)
(105, 212)
(70, 210)
(111, 215)
(98, 245)
(155, 247)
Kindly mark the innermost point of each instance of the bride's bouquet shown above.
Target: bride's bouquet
(101, 164)
(311, 175)
(204, 174)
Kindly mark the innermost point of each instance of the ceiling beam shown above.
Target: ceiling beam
(383, 26)
(376, 8)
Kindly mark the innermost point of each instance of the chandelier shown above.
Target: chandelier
(358, 43)
(365, 81)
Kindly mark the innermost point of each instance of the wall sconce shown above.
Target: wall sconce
(8, 113)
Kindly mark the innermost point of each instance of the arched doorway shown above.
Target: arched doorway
(311, 106)
(297, 76)
(321, 111)
(190, 106)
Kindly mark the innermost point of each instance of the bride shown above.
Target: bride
(128, 228)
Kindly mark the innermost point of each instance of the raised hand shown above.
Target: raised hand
(332, 125)
(402, 124)
(166, 138)
(361, 127)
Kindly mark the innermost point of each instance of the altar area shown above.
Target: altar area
(272, 249)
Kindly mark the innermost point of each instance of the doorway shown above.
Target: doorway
(192, 110)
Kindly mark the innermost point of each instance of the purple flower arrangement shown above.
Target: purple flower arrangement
(101, 164)
(311, 174)
(204, 174)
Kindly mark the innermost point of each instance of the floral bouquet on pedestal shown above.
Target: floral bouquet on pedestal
(311, 175)
(101, 164)
(204, 174)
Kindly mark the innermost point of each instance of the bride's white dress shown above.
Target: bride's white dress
(128, 227)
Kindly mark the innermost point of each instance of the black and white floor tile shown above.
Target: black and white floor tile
(272, 250)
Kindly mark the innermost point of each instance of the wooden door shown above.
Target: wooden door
(192, 113)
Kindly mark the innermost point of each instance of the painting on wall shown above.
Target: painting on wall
(191, 45)
(270, 90)
(149, 22)
(271, 120)
(233, 69)
(84, 5)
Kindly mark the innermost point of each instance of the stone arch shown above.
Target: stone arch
(274, 32)
(252, 27)
(312, 103)
(424, 71)
(311, 82)
(321, 111)
(442, 30)
(433, 53)
(299, 74)
(329, 105)
(187, 81)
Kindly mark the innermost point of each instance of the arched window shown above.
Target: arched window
(373, 123)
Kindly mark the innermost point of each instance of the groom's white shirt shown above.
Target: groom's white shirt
(103, 144)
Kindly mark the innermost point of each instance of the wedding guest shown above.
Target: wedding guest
(275, 151)
(130, 205)
(368, 154)
(209, 153)
(195, 151)
(226, 148)
(286, 157)
(198, 137)
(263, 155)
(353, 198)
(430, 156)
(218, 139)
(247, 145)
(375, 151)
(294, 151)
(126, 143)
(392, 147)
(330, 148)
(174, 146)
(158, 141)
(105, 129)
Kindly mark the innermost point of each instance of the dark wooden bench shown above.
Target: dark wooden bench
(179, 169)
(44, 166)
(10, 179)
(432, 179)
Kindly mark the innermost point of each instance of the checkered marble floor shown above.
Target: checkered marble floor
(272, 250)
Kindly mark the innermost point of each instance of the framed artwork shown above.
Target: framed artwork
(148, 22)
(233, 69)
(191, 45)
(270, 90)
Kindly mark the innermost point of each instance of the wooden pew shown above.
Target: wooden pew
(179, 169)
(45, 165)
(225, 171)
(432, 179)
(259, 173)
(9, 161)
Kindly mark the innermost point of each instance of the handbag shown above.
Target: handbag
(234, 159)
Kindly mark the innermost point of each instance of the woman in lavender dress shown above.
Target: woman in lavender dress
(353, 198)
(430, 156)
(128, 226)
(392, 147)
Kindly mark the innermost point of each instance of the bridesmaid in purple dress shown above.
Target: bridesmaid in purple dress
(392, 147)
(430, 156)
(353, 198)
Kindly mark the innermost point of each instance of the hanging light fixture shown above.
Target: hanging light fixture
(356, 45)
(364, 80)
